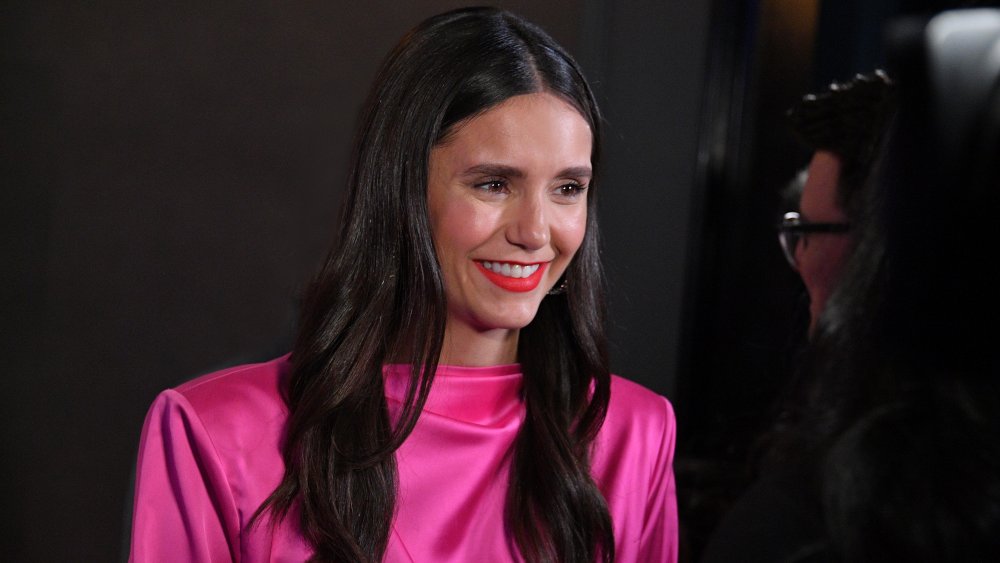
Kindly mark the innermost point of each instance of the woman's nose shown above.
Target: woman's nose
(528, 227)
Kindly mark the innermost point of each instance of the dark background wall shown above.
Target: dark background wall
(170, 177)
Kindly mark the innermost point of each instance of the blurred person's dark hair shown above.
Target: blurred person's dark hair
(847, 119)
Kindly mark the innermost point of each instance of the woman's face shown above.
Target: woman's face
(508, 209)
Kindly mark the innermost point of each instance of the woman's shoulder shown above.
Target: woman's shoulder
(632, 464)
(632, 403)
(243, 396)
(210, 453)
(637, 418)
(261, 381)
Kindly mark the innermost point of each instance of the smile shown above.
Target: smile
(512, 276)
(508, 270)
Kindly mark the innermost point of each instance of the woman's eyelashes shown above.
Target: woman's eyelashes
(493, 186)
(567, 192)
(571, 191)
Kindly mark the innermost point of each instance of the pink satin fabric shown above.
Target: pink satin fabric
(210, 454)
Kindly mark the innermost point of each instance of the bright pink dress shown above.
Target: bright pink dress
(210, 454)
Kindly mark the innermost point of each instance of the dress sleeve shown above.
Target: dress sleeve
(660, 536)
(184, 508)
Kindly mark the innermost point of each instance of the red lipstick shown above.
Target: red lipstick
(519, 285)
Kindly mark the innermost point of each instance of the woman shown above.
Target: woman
(448, 396)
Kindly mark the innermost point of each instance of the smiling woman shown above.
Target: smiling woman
(441, 402)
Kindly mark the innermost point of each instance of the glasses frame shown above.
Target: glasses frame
(792, 229)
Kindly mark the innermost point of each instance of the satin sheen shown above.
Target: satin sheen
(210, 453)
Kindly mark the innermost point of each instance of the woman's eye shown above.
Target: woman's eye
(571, 190)
(492, 186)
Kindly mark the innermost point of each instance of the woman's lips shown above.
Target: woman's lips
(512, 276)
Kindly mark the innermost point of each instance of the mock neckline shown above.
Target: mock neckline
(477, 395)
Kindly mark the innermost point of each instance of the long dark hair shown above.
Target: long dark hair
(380, 298)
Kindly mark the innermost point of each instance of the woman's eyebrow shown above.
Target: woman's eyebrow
(576, 172)
(506, 171)
(489, 169)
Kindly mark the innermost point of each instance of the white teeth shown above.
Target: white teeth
(511, 271)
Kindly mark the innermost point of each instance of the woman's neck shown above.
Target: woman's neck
(476, 349)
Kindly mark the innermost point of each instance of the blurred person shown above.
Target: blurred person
(448, 397)
(889, 450)
(905, 409)
(844, 126)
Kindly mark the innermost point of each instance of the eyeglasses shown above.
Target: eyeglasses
(793, 229)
